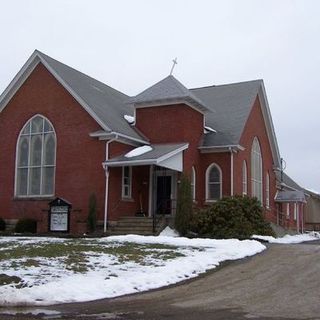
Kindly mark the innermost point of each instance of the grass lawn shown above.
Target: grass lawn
(44, 271)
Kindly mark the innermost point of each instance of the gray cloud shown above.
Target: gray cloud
(130, 44)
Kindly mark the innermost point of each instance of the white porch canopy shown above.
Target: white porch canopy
(164, 155)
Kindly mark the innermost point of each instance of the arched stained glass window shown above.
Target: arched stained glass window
(36, 157)
(213, 183)
(244, 178)
(256, 170)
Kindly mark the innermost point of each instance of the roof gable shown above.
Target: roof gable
(105, 104)
(232, 104)
(168, 91)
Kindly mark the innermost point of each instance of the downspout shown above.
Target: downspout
(302, 218)
(105, 220)
(298, 216)
(231, 172)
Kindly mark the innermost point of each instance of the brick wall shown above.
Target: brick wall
(78, 163)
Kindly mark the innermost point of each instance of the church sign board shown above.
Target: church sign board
(59, 215)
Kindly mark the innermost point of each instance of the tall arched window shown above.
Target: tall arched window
(256, 170)
(267, 190)
(213, 183)
(244, 178)
(36, 158)
(193, 183)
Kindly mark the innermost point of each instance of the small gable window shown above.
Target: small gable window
(244, 178)
(126, 182)
(213, 183)
(36, 158)
(256, 170)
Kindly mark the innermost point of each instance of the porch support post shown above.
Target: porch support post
(105, 167)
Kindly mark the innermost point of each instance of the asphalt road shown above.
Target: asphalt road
(283, 282)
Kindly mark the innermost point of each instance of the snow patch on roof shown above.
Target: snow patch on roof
(129, 119)
(209, 129)
(138, 151)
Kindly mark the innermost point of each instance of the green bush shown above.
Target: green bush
(92, 215)
(26, 225)
(184, 206)
(2, 224)
(231, 217)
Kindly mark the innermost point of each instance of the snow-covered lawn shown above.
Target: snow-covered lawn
(287, 239)
(44, 271)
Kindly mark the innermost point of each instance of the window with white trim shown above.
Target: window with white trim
(295, 212)
(256, 170)
(288, 210)
(193, 183)
(213, 183)
(126, 182)
(267, 190)
(244, 178)
(36, 158)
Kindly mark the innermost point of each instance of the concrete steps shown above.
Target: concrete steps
(136, 225)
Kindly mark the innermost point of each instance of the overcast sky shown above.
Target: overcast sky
(130, 44)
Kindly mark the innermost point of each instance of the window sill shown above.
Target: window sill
(127, 199)
(208, 202)
(33, 198)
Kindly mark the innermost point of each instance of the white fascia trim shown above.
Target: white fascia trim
(173, 153)
(269, 124)
(18, 80)
(103, 135)
(131, 163)
(24, 73)
(99, 134)
(130, 138)
(209, 149)
(169, 102)
(76, 96)
(147, 161)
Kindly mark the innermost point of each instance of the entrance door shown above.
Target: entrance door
(163, 195)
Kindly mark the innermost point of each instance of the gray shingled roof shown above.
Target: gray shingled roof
(166, 90)
(232, 104)
(288, 181)
(107, 103)
(158, 151)
(290, 196)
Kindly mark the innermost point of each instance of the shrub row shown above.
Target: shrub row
(230, 217)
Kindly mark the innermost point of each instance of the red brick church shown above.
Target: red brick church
(66, 135)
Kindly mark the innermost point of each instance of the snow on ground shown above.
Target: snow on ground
(287, 239)
(138, 151)
(153, 262)
(168, 232)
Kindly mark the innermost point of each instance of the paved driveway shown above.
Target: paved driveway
(281, 283)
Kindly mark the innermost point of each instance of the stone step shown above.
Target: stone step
(124, 232)
(135, 225)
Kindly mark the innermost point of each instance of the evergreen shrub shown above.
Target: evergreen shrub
(92, 215)
(26, 225)
(2, 224)
(232, 217)
(184, 210)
